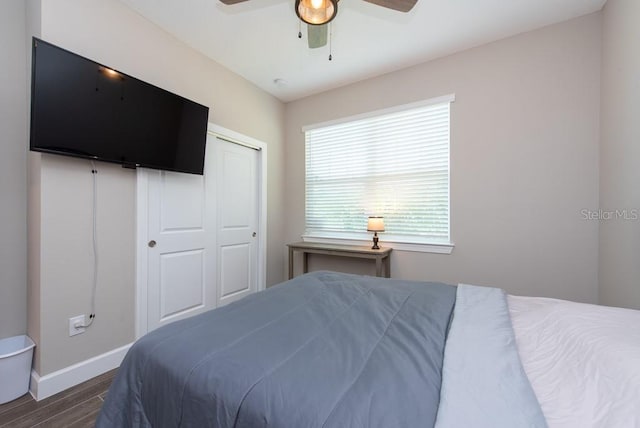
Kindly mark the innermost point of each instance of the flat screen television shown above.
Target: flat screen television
(84, 109)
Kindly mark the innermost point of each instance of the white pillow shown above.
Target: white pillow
(583, 360)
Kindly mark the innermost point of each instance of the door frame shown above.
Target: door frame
(142, 232)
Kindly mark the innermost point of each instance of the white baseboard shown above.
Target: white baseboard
(45, 386)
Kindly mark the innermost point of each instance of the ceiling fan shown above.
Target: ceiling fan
(318, 13)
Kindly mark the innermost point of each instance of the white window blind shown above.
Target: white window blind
(394, 165)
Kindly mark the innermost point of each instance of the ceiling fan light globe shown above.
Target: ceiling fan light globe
(316, 12)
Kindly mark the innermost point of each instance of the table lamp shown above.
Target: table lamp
(375, 225)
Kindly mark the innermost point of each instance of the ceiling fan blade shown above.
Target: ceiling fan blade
(399, 5)
(230, 2)
(317, 35)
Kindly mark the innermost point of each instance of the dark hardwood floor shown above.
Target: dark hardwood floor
(76, 407)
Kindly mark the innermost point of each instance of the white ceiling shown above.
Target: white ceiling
(258, 39)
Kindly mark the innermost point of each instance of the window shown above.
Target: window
(393, 163)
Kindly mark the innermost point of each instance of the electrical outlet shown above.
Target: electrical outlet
(73, 322)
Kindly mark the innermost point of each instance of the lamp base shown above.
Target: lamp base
(375, 241)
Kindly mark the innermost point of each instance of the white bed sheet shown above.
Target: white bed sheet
(582, 360)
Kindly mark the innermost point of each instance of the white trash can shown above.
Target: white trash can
(15, 367)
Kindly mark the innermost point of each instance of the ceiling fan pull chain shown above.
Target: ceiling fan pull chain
(299, 29)
(330, 46)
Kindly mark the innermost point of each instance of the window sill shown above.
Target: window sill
(436, 248)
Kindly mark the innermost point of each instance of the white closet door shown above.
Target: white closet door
(237, 220)
(199, 237)
(179, 284)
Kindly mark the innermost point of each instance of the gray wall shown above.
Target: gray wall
(524, 159)
(60, 190)
(620, 155)
(13, 167)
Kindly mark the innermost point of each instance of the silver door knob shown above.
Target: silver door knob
(152, 243)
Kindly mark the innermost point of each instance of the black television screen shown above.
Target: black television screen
(84, 109)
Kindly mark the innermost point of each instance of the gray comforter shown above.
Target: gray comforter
(332, 350)
(321, 350)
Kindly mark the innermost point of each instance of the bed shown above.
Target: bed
(337, 350)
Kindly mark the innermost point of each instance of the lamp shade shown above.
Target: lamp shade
(316, 12)
(375, 224)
